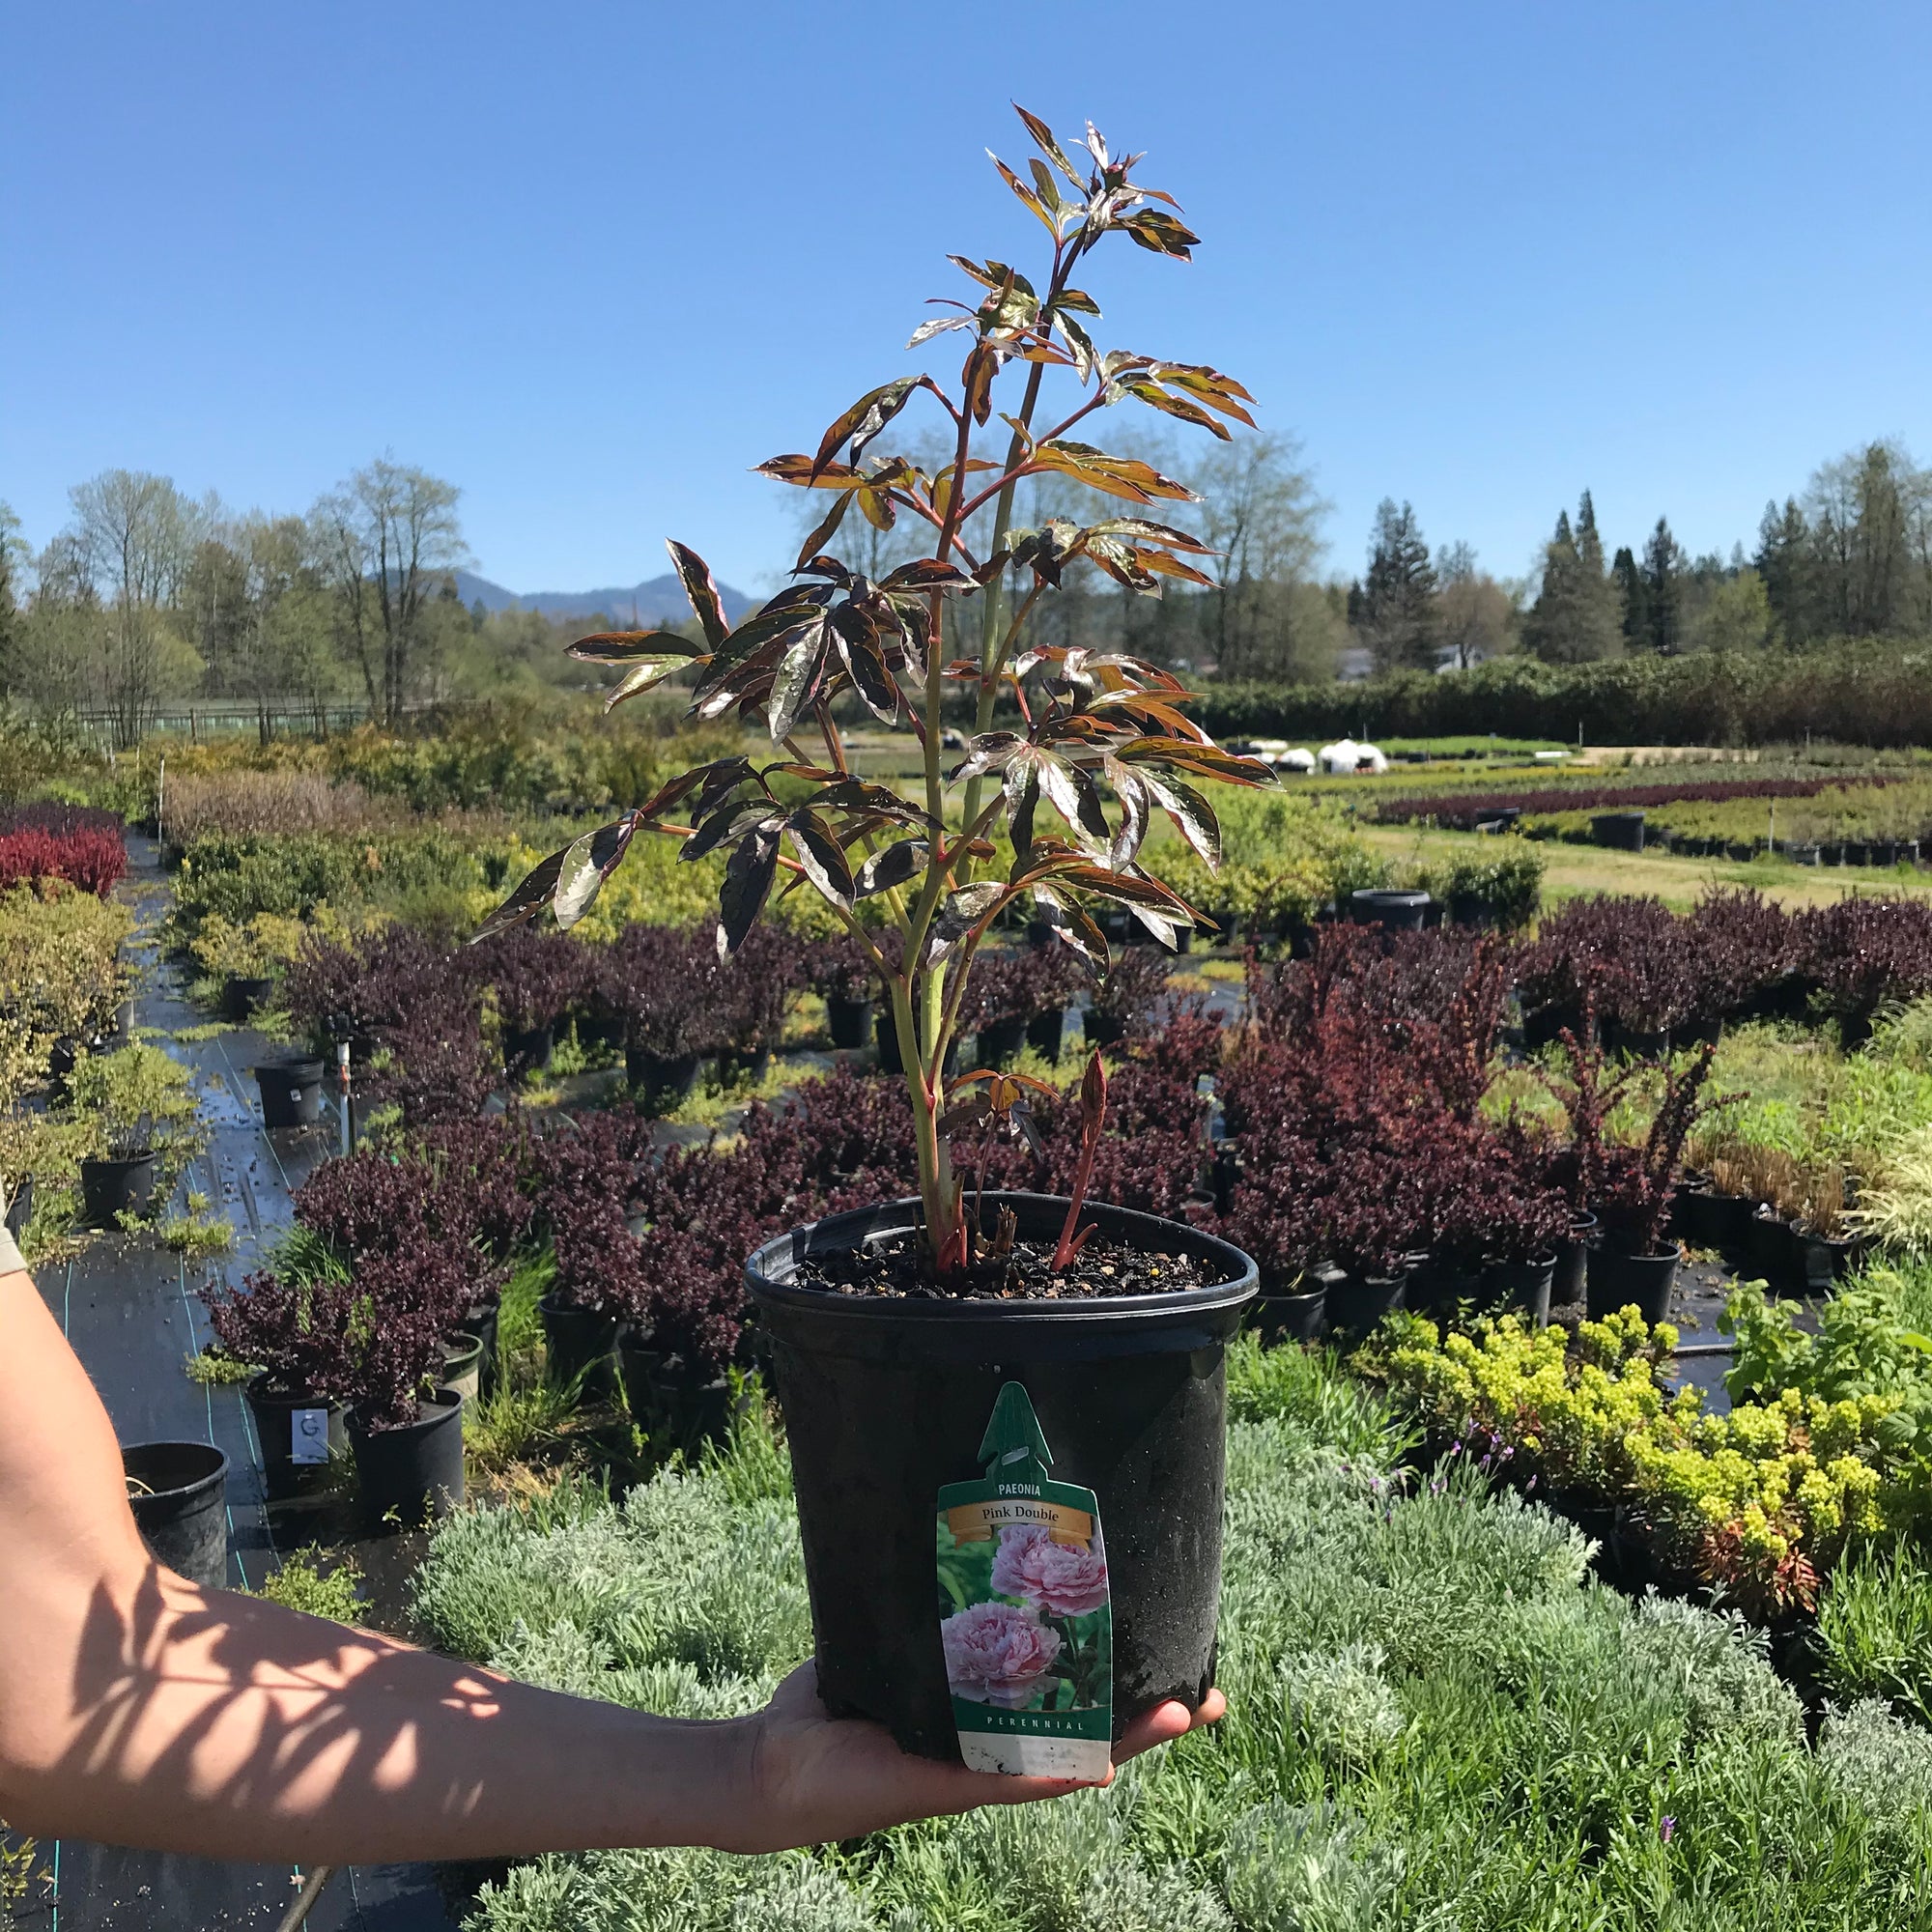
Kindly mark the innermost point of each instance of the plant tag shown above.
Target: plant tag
(1025, 1617)
(308, 1435)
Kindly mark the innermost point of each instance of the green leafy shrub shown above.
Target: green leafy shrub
(302, 1584)
(1758, 1501)
(137, 1099)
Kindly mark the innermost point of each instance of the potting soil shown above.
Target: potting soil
(1024, 1273)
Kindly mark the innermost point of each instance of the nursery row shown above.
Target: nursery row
(1359, 1138)
(1464, 811)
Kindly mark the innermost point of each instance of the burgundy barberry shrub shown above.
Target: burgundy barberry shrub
(1866, 954)
(667, 983)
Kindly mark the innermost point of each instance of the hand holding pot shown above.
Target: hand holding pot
(810, 1779)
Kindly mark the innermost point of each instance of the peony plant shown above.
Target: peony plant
(1090, 745)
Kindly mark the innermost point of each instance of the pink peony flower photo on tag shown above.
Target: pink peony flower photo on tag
(997, 1652)
(1059, 1578)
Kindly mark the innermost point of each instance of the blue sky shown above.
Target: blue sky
(592, 262)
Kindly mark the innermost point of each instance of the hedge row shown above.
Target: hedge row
(1852, 691)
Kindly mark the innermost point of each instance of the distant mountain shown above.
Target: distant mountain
(658, 599)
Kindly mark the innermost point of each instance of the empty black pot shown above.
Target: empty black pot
(297, 1434)
(580, 1341)
(462, 1364)
(1567, 1284)
(1773, 1253)
(1522, 1288)
(178, 1491)
(414, 1474)
(1618, 1280)
(111, 1187)
(481, 1320)
(599, 1032)
(244, 994)
(1356, 1302)
(848, 1021)
(999, 1042)
(527, 1049)
(885, 1037)
(1289, 1317)
(291, 1093)
(886, 1400)
(1045, 1031)
(1621, 830)
(1399, 911)
(661, 1080)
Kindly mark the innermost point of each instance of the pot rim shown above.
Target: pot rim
(899, 1216)
(445, 1402)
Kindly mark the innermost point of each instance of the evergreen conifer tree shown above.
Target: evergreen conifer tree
(1662, 592)
(1398, 592)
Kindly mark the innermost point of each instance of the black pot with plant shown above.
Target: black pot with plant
(842, 976)
(967, 1296)
(138, 1103)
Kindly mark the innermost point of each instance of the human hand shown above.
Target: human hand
(807, 1779)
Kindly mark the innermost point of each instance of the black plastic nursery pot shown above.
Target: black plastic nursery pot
(1438, 1286)
(665, 1398)
(885, 1400)
(580, 1341)
(1045, 1032)
(849, 1022)
(179, 1494)
(244, 994)
(1399, 911)
(1623, 831)
(482, 1321)
(297, 1434)
(1104, 1029)
(1568, 1284)
(661, 1080)
(1638, 1042)
(1618, 1280)
(999, 1042)
(111, 1187)
(527, 1049)
(414, 1474)
(1290, 1318)
(1521, 1287)
(743, 1062)
(601, 1033)
(462, 1364)
(1356, 1302)
(1773, 1252)
(1823, 1259)
(291, 1093)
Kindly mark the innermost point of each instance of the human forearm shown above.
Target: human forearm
(205, 1721)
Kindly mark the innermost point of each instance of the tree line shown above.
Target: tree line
(1850, 557)
(148, 595)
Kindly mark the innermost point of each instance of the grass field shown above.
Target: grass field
(1574, 870)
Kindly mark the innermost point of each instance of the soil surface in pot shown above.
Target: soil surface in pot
(898, 1268)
